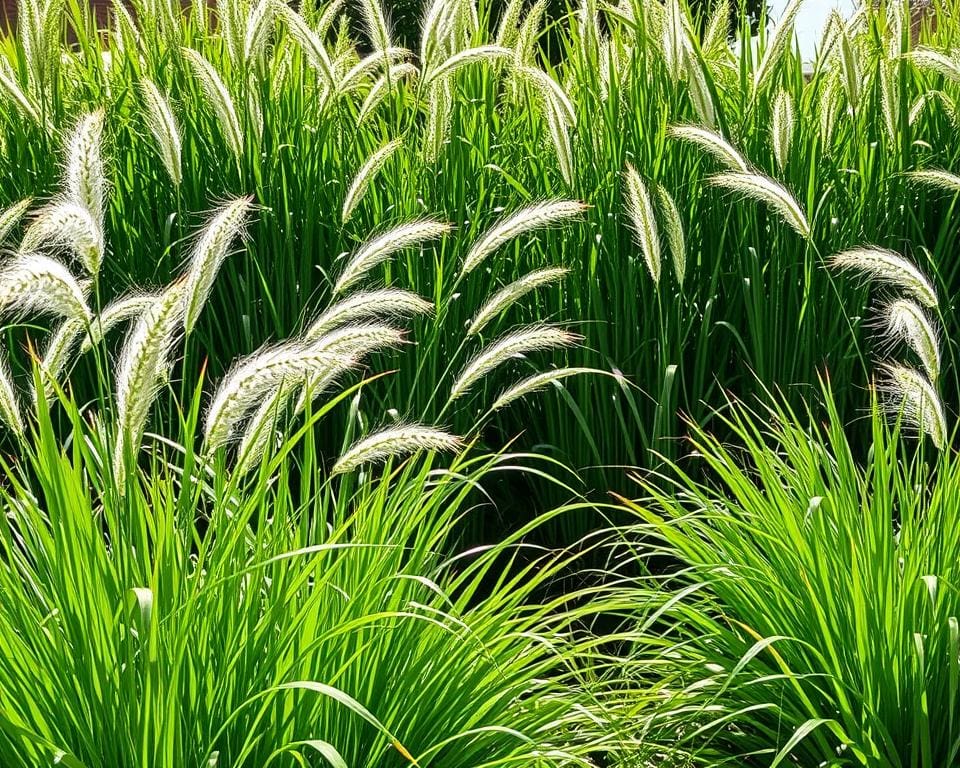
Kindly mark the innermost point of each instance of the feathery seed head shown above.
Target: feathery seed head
(538, 216)
(907, 321)
(365, 175)
(388, 302)
(508, 296)
(85, 182)
(887, 267)
(783, 128)
(536, 383)
(9, 404)
(57, 354)
(10, 217)
(936, 178)
(910, 396)
(220, 99)
(257, 376)
(640, 213)
(118, 312)
(163, 126)
(32, 282)
(673, 227)
(711, 142)
(142, 370)
(395, 441)
(226, 224)
(383, 246)
(763, 189)
(534, 338)
(67, 225)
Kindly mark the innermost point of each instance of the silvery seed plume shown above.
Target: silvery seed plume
(374, 19)
(890, 100)
(640, 213)
(550, 89)
(395, 442)
(357, 74)
(537, 216)
(11, 216)
(431, 31)
(778, 45)
(783, 128)
(219, 99)
(85, 182)
(850, 68)
(508, 296)
(328, 17)
(526, 45)
(383, 246)
(368, 170)
(32, 282)
(439, 113)
(462, 58)
(536, 383)
(887, 267)
(908, 395)
(936, 178)
(673, 228)
(163, 126)
(935, 61)
(698, 88)
(673, 40)
(534, 338)
(559, 137)
(309, 42)
(711, 142)
(763, 189)
(209, 253)
(142, 370)
(379, 90)
(907, 321)
(120, 311)
(57, 354)
(387, 302)
(257, 32)
(508, 30)
(70, 226)
(256, 377)
(21, 101)
(9, 405)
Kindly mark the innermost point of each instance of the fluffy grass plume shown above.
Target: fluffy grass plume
(887, 267)
(711, 142)
(755, 186)
(907, 321)
(220, 100)
(673, 229)
(536, 383)
(310, 43)
(85, 182)
(209, 253)
(392, 442)
(67, 225)
(481, 53)
(784, 124)
(257, 31)
(383, 246)
(163, 126)
(11, 216)
(9, 404)
(120, 311)
(375, 20)
(909, 395)
(533, 338)
(640, 214)
(537, 216)
(21, 101)
(439, 112)
(31, 282)
(387, 302)
(936, 178)
(368, 170)
(259, 376)
(550, 89)
(383, 86)
(510, 294)
(559, 136)
(142, 369)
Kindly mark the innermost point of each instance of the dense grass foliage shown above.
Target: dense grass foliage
(481, 138)
(811, 612)
(248, 453)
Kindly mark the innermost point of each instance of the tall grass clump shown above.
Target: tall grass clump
(807, 610)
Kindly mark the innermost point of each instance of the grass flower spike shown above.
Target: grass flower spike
(765, 190)
(395, 442)
(32, 282)
(910, 396)
(907, 321)
(67, 225)
(887, 267)
(640, 213)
